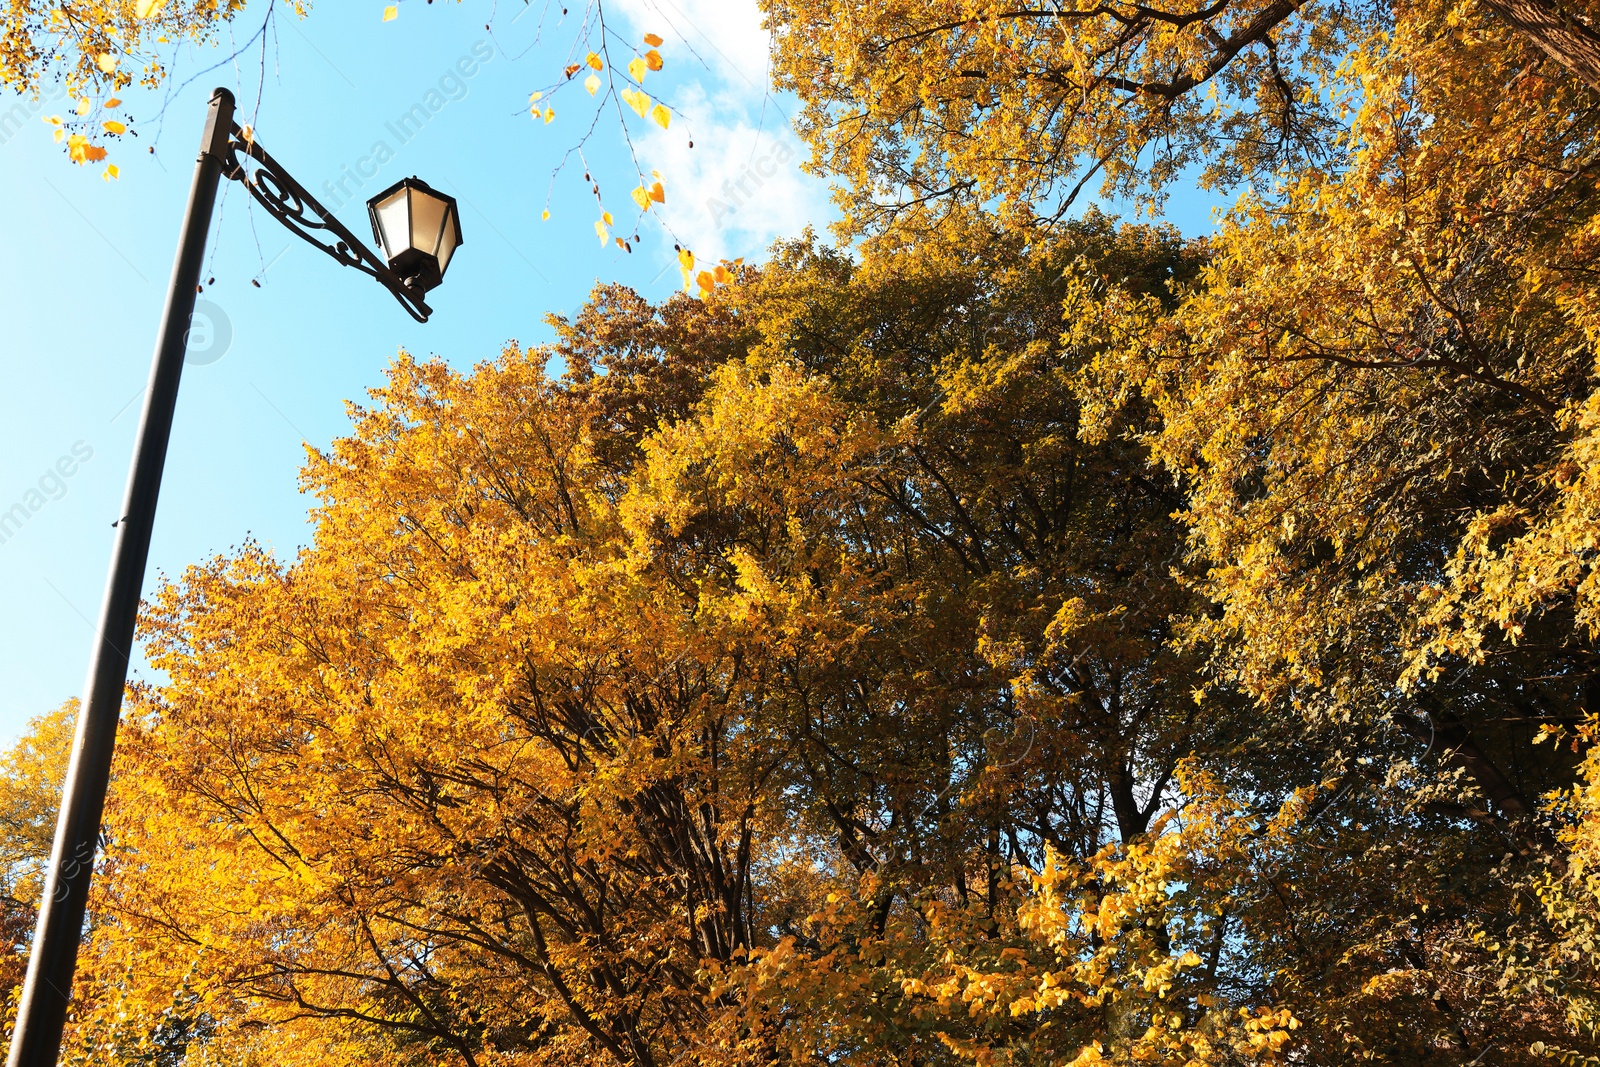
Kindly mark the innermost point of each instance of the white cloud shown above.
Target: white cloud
(726, 35)
(740, 186)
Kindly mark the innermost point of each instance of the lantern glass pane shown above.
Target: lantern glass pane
(393, 222)
(449, 239)
(427, 222)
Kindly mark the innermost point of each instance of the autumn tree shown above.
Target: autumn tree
(592, 691)
(31, 775)
(870, 663)
(1370, 843)
(1377, 398)
(1023, 109)
(1380, 398)
(821, 671)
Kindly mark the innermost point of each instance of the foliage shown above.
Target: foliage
(922, 106)
(996, 642)
(95, 52)
(822, 672)
(1379, 397)
(1377, 401)
(589, 685)
(1389, 408)
(31, 774)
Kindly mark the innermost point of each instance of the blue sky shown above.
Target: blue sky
(85, 275)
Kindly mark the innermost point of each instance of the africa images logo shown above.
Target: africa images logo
(52, 485)
(209, 335)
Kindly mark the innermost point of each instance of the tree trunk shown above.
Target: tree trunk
(1560, 34)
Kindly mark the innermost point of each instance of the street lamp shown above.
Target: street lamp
(420, 231)
(418, 228)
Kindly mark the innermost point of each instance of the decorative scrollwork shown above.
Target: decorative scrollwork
(287, 201)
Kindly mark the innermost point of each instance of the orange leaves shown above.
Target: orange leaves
(725, 271)
(559, 600)
(644, 196)
(80, 151)
(638, 66)
(706, 281)
(80, 148)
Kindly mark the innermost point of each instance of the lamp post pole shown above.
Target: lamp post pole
(226, 151)
(45, 995)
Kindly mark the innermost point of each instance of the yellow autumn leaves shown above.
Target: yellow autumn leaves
(854, 579)
(637, 98)
(647, 193)
(636, 606)
(79, 148)
(641, 103)
(645, 196)
(94, 54)
(632, 95)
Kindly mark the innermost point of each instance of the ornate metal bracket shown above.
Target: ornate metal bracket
(287, 201)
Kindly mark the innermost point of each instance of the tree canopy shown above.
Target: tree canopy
(31, 775)
(826, 671)
(1015, 637)
(1023, 109)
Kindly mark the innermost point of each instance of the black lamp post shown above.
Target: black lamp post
(419, 230)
